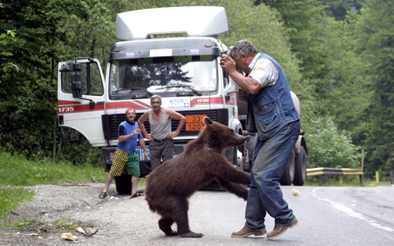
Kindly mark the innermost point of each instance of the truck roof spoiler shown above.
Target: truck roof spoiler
(195, 21)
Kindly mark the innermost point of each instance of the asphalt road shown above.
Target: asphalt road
(328, 216)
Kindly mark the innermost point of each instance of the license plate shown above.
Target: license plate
(194, 122)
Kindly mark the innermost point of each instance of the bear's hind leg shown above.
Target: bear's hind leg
(165, 225)
(181, 218)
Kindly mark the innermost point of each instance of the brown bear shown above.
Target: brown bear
(169, 186)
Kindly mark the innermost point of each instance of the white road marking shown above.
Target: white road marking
(352, 213)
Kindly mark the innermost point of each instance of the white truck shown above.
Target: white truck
(185, 71)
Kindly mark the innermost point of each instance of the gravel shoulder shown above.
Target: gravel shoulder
(80, 205)
(120, 220)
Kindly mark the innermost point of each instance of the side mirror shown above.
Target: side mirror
(76, 82)
(227, 97)
(71, 66)
(76, 85)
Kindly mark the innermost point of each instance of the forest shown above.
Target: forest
(337, 54)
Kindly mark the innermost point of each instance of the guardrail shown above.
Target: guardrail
(334, 171)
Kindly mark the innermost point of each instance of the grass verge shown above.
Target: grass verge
(16, 171)
(42, 226)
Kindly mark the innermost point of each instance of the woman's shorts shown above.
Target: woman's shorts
(122, 158)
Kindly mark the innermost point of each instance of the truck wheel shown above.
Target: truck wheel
(288, 176)
(300, 167)
(123, 184)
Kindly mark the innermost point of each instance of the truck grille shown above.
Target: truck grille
(111, 122)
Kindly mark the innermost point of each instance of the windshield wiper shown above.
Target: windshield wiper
(139, 95)
(184, 86)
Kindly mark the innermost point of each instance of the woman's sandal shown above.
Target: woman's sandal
(137, 194)
(103, 195)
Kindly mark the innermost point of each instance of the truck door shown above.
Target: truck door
(81, 98)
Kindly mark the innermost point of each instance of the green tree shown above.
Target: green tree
(331, 147)
(27, 95)
(339, 9)
(5, 65)
(299, 17)
(376, 43)
(337, 86)
(344, 90)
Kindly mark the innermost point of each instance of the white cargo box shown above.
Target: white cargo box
(195, 21)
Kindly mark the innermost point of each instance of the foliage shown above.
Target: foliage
(334, 180)
(74, 147)
(342, 91)
(10, 197)
(339, 9)
(40, 226)
(17, 171)
(28, 95)
(331, 147)
(5, 65)
(376, 36)
(300, 19)
(44, 226)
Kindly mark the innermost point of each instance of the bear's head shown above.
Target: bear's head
(219, 136)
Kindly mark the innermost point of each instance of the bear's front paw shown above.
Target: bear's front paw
(172, 233)
(191, 234)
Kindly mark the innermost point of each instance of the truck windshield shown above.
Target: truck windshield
(194, 74)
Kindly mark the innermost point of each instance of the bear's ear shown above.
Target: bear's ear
(207, 120)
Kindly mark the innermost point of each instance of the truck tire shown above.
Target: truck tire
(288, 176)
(301, 165)
(123, 184)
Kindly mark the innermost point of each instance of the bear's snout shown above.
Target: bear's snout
(238, 140)
(242, 139)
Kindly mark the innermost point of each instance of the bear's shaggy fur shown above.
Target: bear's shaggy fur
(169, 186)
